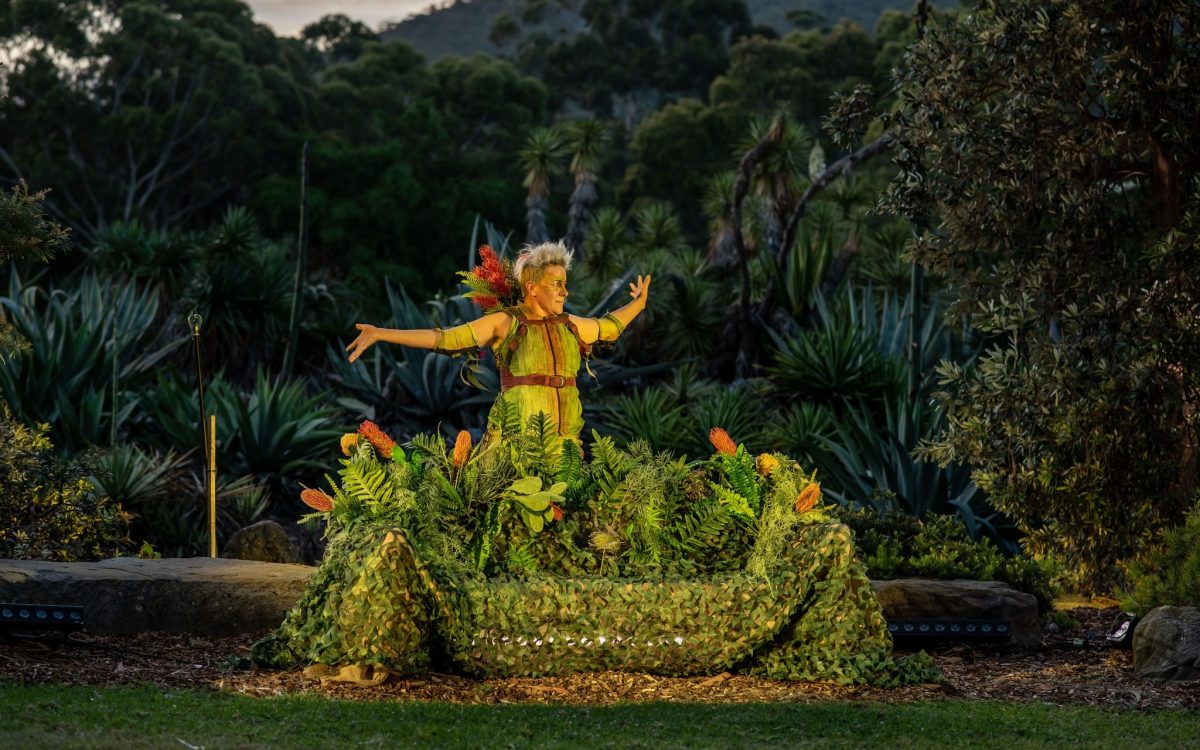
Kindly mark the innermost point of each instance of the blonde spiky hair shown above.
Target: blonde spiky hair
(533, 261)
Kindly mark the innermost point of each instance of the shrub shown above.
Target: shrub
(48, 511)
(896, 545)
(1169, 573)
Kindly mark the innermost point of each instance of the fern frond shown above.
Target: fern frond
(736, 504)
(700, 527)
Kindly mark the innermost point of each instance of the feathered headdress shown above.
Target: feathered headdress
(492, 283)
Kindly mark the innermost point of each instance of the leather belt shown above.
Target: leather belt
(553, 381)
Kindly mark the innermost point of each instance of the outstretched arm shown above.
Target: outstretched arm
(484, 332)
(591, 329)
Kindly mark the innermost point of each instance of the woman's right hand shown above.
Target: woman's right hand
(368, 335)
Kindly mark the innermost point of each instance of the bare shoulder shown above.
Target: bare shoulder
(494, 326)
(588, 328)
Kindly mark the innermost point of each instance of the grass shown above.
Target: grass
(146, 717)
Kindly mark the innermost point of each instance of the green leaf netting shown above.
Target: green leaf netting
(812, 617)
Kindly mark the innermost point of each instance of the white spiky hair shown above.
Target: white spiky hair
(533, 260)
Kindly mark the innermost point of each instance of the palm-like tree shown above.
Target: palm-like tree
(718, 206)
(606, 236)
(780, 177)
(586, 140)
(541, 158)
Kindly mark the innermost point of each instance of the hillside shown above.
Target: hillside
(462, 27)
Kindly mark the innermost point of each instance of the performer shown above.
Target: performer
(538, 347)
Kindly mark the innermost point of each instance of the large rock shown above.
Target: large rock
(921, 598)
(193, 595)
(265, 541)
(1166, 644)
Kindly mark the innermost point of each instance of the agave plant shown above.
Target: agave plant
(89, 346)
(869, 462)
(647, 414)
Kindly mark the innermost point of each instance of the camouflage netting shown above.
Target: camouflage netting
(388, 594)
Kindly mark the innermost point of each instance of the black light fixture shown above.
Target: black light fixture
(1120, 633)
(966, 629)
(41, 616)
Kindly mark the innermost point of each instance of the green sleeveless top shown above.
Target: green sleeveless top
(542, 347)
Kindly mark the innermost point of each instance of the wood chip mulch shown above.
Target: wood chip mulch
(1072, 668)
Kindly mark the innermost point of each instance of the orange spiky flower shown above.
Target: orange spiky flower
(558, 512)
(349, 443)
(462, 448)
(375, 436)
(765, 464)
(808, 498)
(721, 441)
(317, 500)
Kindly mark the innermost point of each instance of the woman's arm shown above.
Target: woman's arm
(592, 330)
(483, 332)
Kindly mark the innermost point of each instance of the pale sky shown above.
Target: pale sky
(287, 17)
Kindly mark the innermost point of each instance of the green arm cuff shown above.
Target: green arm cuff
(454, 340)
(610, 328)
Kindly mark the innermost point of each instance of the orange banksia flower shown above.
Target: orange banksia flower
(721, 441)
(349, 443)
(317, 500)
(462, 448)
(808, 498)
(373, 435)
(765, 464)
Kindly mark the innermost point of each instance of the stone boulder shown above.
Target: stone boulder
(922, 598)
(265, 541)
(1166, 644)
(200, 595)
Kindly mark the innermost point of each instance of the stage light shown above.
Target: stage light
(975, 630)
(41, 616)
(1120, 633)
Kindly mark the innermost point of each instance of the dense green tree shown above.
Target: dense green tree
(26, 234)
(1053, 147)
(159, 111)
(674, 150)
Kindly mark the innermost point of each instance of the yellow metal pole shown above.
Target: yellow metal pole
(212, 485)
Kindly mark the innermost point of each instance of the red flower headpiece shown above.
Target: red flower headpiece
(492, 283)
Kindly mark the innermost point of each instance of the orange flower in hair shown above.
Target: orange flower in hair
(462, 448)
(375, 436)
(349, 443)
(317, 500)
(721, 441)
(808, 498)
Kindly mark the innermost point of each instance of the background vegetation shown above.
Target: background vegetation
(1006, 339)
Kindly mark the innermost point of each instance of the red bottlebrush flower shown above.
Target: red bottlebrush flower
(317, 500)
(491, 269)
(808, 498)
(373, 435)
(462, 448)
(721, 441)
(558, 512)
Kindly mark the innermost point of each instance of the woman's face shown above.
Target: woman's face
(549, 292)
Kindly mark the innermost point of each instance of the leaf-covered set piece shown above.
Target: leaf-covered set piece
(507, 566)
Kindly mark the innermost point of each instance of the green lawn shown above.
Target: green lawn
(134, 718)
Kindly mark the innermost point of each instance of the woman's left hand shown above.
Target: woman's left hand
(640, 289)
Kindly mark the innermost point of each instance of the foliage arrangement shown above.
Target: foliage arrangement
(525, 559)
(1167, 573)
